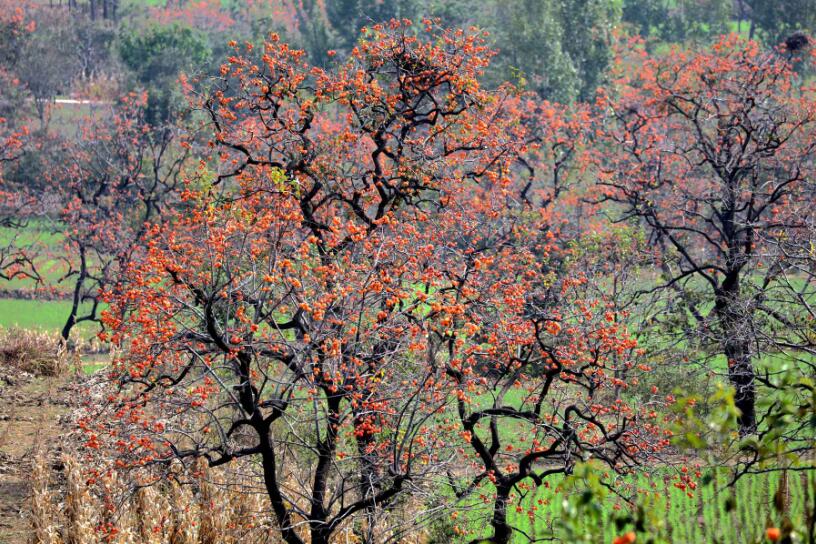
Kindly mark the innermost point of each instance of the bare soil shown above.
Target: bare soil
(31, 412)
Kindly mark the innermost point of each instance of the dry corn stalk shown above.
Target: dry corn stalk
(184, 515)
(218, 508)
(79, 506)
(43, 515)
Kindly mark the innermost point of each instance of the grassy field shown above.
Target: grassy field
(17, 309)
(715, 512)
(48, 246)
(702, 518)
(49, 315)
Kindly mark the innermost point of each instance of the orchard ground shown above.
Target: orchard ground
(32, 408)
(30, 412)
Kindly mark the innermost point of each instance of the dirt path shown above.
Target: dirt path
(30, 411)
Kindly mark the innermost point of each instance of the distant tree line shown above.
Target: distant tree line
(560, 49)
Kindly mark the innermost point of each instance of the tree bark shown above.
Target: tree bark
(273, 491)
(501, 529)
(76, 298)
(736, 345)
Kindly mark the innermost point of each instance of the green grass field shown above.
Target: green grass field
(49, 250)
(49, 315)
(33, 313)
(702, 518)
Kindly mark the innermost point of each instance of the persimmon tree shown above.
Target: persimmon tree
(710, 151)
(534, 348)
(282, 317)
(17, 203)
(16, 206)
(537, 392)
(113, 180)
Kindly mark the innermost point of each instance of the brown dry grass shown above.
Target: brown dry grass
(36, 352)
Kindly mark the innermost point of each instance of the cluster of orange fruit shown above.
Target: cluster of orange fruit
(627, 538)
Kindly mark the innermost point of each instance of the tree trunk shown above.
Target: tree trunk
(76, 298)
(326, 449)
(736, 345)
(741, 375)
(501, 529)
(282, 513)
(320, 536)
